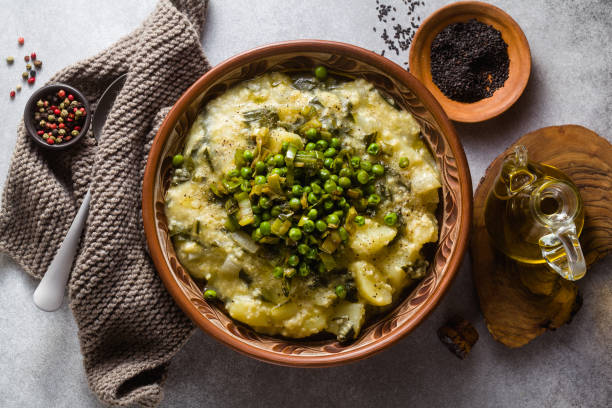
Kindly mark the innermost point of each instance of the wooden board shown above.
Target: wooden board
(521, 302)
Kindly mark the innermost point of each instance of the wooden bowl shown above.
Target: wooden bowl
(518, 52)
(455, 207)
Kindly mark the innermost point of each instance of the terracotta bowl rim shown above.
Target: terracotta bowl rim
(297, 46)
(464, 112)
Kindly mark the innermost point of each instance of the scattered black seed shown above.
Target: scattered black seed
(398, 25)
(469, 61)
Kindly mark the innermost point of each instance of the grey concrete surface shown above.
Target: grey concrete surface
(571, 82)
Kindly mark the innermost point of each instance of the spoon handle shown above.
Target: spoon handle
(49, 294)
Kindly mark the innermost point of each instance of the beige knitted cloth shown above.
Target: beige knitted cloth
(129, 326)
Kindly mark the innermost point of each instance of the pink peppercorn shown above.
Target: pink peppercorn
(12, 94)
(33, 56)
(31, 80)
(20, 40)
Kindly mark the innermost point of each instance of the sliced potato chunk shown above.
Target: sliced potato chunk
(371, 237)
(346, 320)
(371, 284)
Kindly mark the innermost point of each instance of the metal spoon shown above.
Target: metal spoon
(49, 294)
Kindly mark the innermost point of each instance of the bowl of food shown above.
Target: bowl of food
(473, 57)
(307, 203)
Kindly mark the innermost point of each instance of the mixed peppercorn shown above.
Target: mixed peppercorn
(59, 117)
(308, 197)
(32, 63)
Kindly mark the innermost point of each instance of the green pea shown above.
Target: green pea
(295, 234)
(330, 186)
(247, 155)
(378, 170)
(293, 260)
(311, 133)
(279, 160)
(404, 162)
(245, 186)
(278, 272)
(284, 147)
(359, 220)
(233, 173)
(321, 73)
(295, 204)
(256, 235)
(312, 254)
(266, 216)
(312, 214)
(260, 167)
(264, 202)
(334, 177)
(210, 294)
(316, 188)
(260, 180)
(303, 249)
(275, 211)
(390, 219)
(366, 165)
(265, 228)
(256, 209)
(340, 291)
(270, 161)
(373, 149)
(373, 199)
(297, 190)
(177, 160)
(362, 177)
(324, 174)
(344, 182)
(370, 189)
(345, 172)
(328, 162)
(304, 269)
(307, 189)
(330, 152)
(312, 198)
(308, 226)
(246, 172)
(332, 219)
(334, 142)
(338, 162)
(310, 146)
(256, 220)
(355, 161)
(343, 233)
(321, 225)
(328, 205)
(321, 145)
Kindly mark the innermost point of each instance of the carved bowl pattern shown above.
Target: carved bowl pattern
(454, 212)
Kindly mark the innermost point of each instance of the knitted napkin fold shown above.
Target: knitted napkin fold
(129, 326)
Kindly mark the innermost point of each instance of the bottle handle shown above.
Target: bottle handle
(566, 259)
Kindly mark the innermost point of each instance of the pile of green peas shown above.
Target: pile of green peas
(324, 188)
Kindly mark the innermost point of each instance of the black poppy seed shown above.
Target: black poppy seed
(469, 61)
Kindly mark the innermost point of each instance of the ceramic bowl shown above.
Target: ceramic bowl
(455, 207)
(30, 106)
(518, 52)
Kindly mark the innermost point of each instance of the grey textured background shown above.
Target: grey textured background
(571, 82)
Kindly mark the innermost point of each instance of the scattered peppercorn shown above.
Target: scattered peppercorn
(20, 41)
(31, 80)
(18, 88)
(33, 56)
(25, 75)
(10, 60)
(12, 94)
(32, 74)
(38, 64)
(469, 61)
(26, 58)
(28, 66)
(54, 123)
